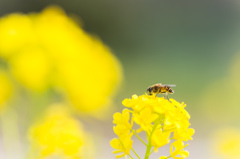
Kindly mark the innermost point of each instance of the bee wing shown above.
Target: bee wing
(170, 85)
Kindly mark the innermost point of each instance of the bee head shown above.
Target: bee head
(149, 90)
(170, 90)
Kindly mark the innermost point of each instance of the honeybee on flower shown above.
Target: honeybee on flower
(160, 88)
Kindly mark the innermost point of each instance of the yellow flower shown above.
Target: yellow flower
(145, 118)
(5, 88)
(160, 138)
(184, 134)
(122, 145)
(58, 134)
(163, 106)
(159, 118)
(123, 126)
(123, 118)
(182, 119)
(121, 129)
(136, 103)
(49, 49)
(179, 150)
(181, 109)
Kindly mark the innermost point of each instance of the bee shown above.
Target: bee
(160, 88)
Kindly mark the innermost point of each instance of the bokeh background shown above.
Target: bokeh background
(193, 44)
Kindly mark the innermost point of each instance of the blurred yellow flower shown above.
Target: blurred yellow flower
(159, 118)
(5, 88)
(58, 134)
(16, 31)
(32, 68)
(49, 49)
(226, 142)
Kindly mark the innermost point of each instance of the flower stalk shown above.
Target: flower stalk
(149, 146)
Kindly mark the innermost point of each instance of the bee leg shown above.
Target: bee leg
(166, 97)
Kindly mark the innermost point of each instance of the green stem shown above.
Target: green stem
(135, 153)
(151, 152)
(130, 156)
(168, 130)
(139, 138)
(149, 146)
(147, 154)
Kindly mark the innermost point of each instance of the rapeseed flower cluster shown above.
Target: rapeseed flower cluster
(49, 50)
(162, 120)
(58, 134)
